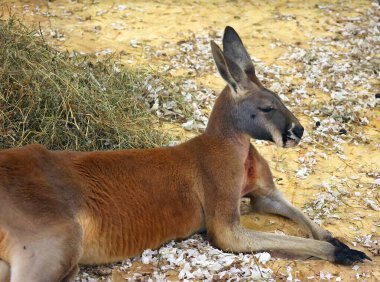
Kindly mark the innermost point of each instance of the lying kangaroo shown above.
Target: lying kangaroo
(61, 208)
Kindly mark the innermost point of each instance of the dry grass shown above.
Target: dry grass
(67, 101)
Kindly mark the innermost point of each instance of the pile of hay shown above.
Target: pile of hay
(66, 101)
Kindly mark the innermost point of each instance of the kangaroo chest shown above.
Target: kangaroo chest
(257, 177)
(249, 181)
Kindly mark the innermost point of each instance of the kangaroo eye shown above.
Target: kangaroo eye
(267, 109)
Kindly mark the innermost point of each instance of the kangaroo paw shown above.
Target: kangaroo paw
(347, 256)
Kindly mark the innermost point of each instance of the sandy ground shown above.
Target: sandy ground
(341, 182)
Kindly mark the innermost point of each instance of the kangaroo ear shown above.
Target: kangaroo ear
(230, 71)
(222, 66)
(235, 51)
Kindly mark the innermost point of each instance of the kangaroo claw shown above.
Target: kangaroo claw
(346, 256)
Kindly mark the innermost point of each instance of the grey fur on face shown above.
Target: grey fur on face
(258, 112)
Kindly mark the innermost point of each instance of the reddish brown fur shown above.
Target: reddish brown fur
(125, 201)
(60, 208)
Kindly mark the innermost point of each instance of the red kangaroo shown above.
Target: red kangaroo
(59, 209)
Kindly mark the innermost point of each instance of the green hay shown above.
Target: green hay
(68, 102)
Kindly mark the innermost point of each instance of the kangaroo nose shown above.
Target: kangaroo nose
(298, 131)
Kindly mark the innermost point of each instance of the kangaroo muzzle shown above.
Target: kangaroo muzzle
(292, 136)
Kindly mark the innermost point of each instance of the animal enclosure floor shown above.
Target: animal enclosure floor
(321, 56)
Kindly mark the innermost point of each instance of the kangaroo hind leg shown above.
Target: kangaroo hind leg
(4, 271)
(52, 255)
(70, 277)
(236, 238)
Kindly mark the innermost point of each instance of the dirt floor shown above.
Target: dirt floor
(321, 56)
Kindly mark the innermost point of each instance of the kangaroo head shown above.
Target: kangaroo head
(256, 111)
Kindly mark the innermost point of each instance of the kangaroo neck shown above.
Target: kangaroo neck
(221, 122)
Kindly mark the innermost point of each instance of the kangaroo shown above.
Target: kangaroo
(59, 209)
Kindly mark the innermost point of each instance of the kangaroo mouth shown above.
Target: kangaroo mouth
(289, 140)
